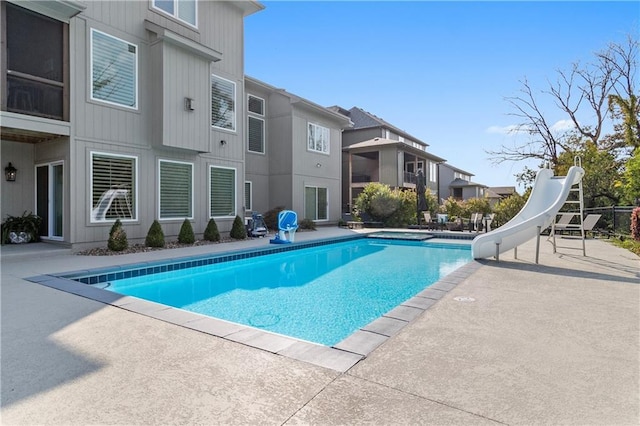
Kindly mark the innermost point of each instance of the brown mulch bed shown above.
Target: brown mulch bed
(141, 248)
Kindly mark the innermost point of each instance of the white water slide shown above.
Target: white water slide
(547, 197)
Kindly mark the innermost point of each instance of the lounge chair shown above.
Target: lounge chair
(475, 222)
(287, 226)
(487, 221)
(429, 222)
(588, 224)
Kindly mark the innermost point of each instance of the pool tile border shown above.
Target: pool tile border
(341, 357)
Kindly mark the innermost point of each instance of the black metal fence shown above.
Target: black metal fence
(615, 219)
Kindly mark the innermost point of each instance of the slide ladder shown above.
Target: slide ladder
(577, 200)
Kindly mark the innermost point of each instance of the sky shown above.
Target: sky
(440, 71)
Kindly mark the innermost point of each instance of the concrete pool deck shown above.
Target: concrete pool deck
(512, 343)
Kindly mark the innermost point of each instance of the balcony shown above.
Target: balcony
(34, 96)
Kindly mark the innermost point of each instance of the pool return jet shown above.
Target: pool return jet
(287, 226)
(547, 197)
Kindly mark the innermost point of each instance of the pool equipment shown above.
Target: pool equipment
(256, 226)
(287, 225)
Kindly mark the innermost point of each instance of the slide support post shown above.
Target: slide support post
(538, 244)
(497, 252)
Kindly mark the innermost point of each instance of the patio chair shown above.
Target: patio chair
(475, 222)
(588, 224)
(429, 221)
(487, 221)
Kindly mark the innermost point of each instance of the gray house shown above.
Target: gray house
(293, 156)
(376, 151)
(131, 110)
(456, 183)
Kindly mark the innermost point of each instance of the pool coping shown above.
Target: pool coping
(340, 357)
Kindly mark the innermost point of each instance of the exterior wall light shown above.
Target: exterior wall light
(10, 173)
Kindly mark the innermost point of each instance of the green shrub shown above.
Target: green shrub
(477, 205)
(407, 209)
(271, 217)
(238, 230)
(186, 235)
(507, 208)
(155, 236)
(376, 202)
(307, 224)
(211, 232)
(117, 237)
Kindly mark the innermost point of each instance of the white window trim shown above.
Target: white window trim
(327, 207)
(264, 136)
(249, 207)
(90, 79)
(160, 161)
(328, 151)
(175, 16)
(136, 178)
(264, 105)
(235, 193)
(235, 104)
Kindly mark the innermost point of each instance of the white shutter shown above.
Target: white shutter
(256, 135)
(176, 192)
(113, 70)
(223, 192)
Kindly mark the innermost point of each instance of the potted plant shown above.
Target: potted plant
(21, 229)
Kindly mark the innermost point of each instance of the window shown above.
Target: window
(184, 10)
(315, 203)
(114, 70)
(222, 190)
(256, 105)
(248, 195)
(433, 172)
(457, 193)
(37, 58)
(318, 138)
(176, 190)
(223, 103)
(256, 135)
(113, 187)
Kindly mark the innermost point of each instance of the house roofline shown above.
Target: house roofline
(403, 146)
(295, 99)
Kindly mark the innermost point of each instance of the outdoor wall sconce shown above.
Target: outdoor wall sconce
(189, 104)
(10, 173)
(318, 165)
(223, 142)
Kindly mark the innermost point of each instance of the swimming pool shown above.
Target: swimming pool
(320, 294)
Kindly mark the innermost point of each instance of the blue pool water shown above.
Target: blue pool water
(320, 294)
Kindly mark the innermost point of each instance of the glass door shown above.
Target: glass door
(49, 199)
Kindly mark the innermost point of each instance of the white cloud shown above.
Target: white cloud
(562, 126)
(511, 129)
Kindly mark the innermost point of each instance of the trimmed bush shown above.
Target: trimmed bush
(271, 217)
(155, 236)
(186, 235)
(117, 237)
(211, 232)
(307, 224)
(238, 230)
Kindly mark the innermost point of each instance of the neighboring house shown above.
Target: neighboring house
(124, 109)
(293, 156)
(376, 151)
(457, 183)
(497, 193)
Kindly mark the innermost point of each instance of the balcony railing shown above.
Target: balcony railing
(32, 95)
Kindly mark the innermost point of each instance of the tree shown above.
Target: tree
(594, 90)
